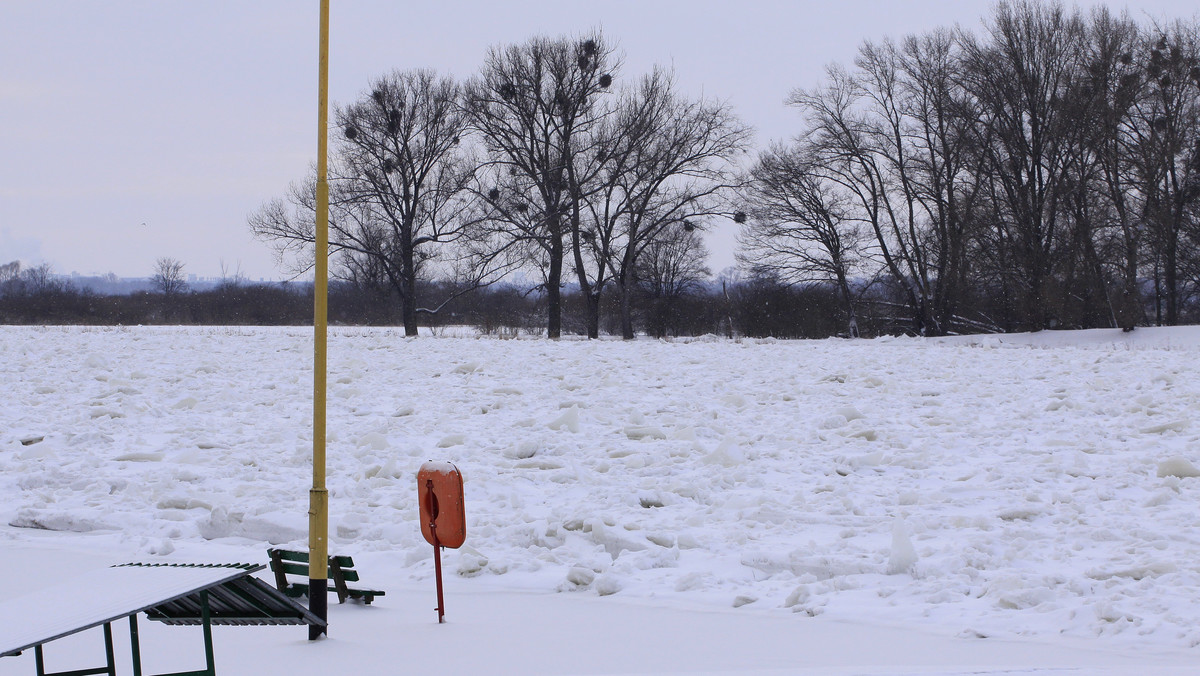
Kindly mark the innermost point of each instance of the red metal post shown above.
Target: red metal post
(437, 569)
(432, 510)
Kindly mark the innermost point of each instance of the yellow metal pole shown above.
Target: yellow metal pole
(318, 511)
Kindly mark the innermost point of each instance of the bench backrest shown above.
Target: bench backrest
(296, 563)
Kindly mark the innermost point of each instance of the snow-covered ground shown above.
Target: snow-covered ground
(1016, 503)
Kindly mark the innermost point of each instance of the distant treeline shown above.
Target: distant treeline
(754, 308)
(730, 307)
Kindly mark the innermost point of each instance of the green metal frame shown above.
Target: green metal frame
(136, 648)
(111, 668)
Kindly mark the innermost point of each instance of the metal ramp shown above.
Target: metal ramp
(175, 594)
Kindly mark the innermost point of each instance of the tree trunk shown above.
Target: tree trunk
(409, 317)
(1129, 311)
(1171, 275)
(627, 304)
(591, 297)
(554, 284)
(848, 299)
(408, 312)
(408, 294)
(593, 315)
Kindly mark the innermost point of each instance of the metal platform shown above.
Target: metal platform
(176, 594)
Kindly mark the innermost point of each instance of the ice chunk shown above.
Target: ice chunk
(539, 463)
(569, 420)
(692, 581)
(580, 576)
(42, 519)
(452, 440)
(1178, 467)
(1139, 572)
(799, 599)
(734, 401)
(608, 584)
(903, 556)
(416, 555)
(372, 440)
(471, 562)
(220, 523)
(638, 432)
(388, 470)
(850, 413)
(832, 422)
(614, 541)
(523, 450)
(141, 456)
(276, 528)
(1024, 513)
(799, 595)
(1107, 612)
(684, 434)
(1017, 599)
(869, 460)
(650, 499)
(727, 454)
(1171, 426)
(662, 539)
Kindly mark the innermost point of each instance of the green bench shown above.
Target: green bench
(285, 562)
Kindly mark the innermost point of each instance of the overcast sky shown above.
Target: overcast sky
(131, 130)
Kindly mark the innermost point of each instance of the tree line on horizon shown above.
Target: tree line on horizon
(731, 306)
(1042, 173)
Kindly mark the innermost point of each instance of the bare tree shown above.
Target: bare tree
(1024, 78)
(672, 266)
(1167, 152)
(798, 231)
(535, 105)
(668, 164)
(398, 193)
(1113, 89)
(9, 273)
(940, 115)
(168, 278)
